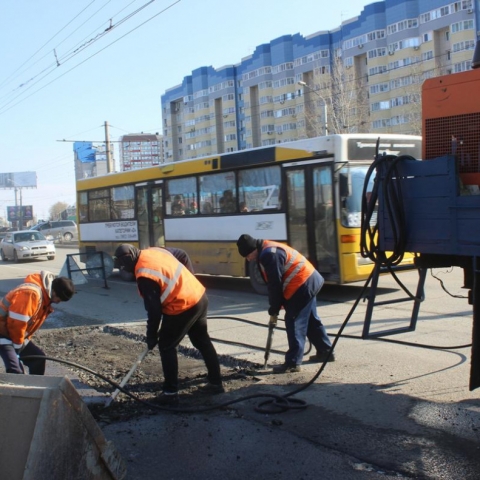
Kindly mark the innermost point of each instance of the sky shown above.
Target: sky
(67, 67)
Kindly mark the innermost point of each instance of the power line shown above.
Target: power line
(46, 43)
(4, 109)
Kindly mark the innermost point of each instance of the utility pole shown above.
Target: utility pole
(107, 150)
(109, 160)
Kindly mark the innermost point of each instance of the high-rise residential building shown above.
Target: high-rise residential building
(362, 76)
(140, 150)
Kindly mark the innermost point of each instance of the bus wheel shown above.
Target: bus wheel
(256, 278)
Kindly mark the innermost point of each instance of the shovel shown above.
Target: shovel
(138, 361)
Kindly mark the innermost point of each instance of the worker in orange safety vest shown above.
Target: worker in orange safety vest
(23, 311)
(176, 305)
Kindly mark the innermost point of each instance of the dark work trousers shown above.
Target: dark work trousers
(36, 366)
(306, 324)
(173, 329)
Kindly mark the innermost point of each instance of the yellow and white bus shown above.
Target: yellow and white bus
(307, 193)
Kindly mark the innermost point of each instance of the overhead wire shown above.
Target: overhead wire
(7, 106)
(46, 43)
(356, 80)
(62, 58)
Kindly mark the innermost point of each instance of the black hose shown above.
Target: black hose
(281, 402)
(275, 403)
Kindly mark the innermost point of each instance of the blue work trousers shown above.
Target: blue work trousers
(306, 324)
(36, 366)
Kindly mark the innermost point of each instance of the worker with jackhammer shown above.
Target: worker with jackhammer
(293, 283)
(176, 305)
(23, 311)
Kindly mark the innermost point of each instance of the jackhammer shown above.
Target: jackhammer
(271, 328)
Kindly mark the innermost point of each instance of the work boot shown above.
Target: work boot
(321, 357)
(211, 388)
(167, 398)
(286, 368)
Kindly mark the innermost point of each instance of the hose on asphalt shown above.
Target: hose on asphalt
(274, 403)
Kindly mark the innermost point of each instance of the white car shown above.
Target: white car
(26, 244)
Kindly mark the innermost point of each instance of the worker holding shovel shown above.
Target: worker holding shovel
(176, 305)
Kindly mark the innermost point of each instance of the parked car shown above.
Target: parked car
(64, 229)
(26, 244)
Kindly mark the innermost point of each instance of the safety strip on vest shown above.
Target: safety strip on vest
(297, 268)
(5, 302)
(287, 265)
(171, 282)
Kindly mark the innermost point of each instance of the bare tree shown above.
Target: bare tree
(336, 100)
(56, 209)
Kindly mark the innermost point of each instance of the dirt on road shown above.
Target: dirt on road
(111, 352)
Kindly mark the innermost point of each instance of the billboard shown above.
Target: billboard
(85, 151)
(13, 213)
(18, 180)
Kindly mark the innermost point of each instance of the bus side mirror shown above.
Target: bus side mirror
(345, 185)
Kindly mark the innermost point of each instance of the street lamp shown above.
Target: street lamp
(324, 103)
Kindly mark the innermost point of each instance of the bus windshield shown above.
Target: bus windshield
(351, 200)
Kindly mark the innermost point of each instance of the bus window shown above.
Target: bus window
(217, 193)
(158, 232)
(99, 205)
(181, 196)
(324, 227)
(122, 205)
(352, 197)
(259, 188)
(83, 207)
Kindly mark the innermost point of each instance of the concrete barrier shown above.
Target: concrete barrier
(47, 432)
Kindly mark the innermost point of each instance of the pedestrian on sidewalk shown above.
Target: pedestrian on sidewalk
(176, 305)
(293, 283)
(23, 311)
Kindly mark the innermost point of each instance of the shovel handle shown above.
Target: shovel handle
(127, 376)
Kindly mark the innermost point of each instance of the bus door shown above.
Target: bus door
(149, 207)
(311, 216)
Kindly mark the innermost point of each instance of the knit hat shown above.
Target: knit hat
(126, 256)
(63, 288)
(246, 245)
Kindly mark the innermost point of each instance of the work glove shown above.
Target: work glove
(272, 312)
(152, 340)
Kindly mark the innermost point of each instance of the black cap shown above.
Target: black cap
(126, 256)
(246, 245)
(63, 288)
(123, 249)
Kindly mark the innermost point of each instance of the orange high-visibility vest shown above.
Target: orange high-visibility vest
(179, 289)
(23, 311)
(296, 271)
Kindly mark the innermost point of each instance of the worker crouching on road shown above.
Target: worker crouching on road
(293, 283)
(22, 312)
(173, 296)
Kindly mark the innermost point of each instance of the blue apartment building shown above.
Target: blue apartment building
(362, 76)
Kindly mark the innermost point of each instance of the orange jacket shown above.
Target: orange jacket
(180, 290)
(296, 271)
(24, 309)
